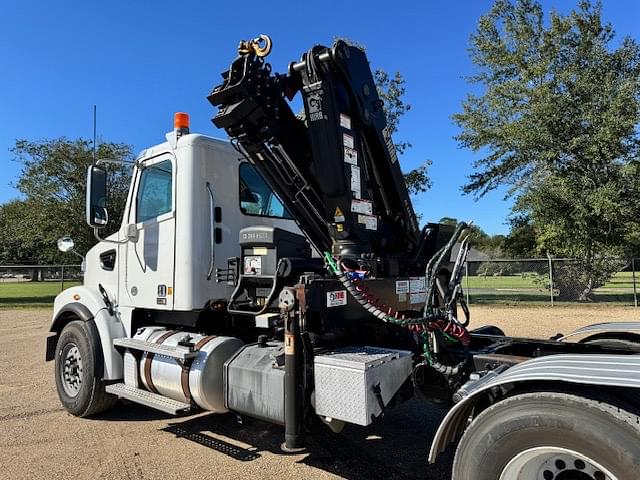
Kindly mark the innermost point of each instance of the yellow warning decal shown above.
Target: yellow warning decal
(338, 213)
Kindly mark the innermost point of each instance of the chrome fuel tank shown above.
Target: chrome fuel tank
(200, 380)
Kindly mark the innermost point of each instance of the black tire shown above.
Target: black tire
(607, 435)
(629, 342)
(488, 330)
(83, 392)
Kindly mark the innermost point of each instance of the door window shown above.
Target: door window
(155, 193)
(256, 198)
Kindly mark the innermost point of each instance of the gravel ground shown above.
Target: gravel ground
(39, 440)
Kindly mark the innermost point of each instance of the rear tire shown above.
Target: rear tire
(529, 436)
(78, 355)
(629, 342)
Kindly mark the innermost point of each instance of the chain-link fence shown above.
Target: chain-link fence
(551, 281)
(495, 281)
(35, 285)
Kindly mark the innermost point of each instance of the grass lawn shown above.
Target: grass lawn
(623, 280)
(527, 280)
(30, 294)
(504, 281)
(523, 289)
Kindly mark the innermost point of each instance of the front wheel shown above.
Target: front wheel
(81, 391)
(550, 436)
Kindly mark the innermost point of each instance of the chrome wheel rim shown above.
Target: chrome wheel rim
(71, 371)
(554, 463)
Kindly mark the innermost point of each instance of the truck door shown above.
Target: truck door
(149, 276)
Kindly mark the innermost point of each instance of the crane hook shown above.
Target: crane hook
(261, 46)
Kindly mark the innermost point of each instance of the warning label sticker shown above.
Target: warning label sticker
(370, 223)
(347, 140)
(345, 121)
(262, 292)
(355, 181)
(252, 265)
(417, 297)
(338, 216)
(351, 155)
(362, 206)
(337, 298)
(417, 284)
(402, 286)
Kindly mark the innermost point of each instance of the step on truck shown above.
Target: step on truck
(282, 275)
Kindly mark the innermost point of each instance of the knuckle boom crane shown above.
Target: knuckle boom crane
(335, 167)
(336, 170)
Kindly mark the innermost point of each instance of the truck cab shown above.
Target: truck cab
(186, 205)
(175, 253)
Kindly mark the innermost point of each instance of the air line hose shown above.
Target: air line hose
(432, 318)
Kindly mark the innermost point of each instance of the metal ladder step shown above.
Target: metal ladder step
(181, 353)
(147, 398)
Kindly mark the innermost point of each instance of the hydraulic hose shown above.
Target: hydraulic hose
(431, 319)
(433, 267)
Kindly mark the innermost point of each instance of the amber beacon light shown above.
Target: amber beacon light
(181, 121)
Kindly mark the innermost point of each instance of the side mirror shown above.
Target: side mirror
(96, 201)
(65, 244)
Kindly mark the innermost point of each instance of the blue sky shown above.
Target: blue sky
(142, 61)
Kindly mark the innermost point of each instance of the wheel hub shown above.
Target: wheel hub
(554, 463)
(71, 370)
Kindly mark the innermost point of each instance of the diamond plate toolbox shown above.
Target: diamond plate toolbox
(352, 383)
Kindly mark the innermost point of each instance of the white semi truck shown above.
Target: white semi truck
(282, 276)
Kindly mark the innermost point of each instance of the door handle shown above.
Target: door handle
(211, 231)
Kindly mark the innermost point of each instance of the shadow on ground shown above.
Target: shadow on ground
(131, 412)
(395, 447)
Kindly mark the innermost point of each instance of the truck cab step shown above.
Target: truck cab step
(181, 353)
(148, 399)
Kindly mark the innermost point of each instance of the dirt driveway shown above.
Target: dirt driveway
(39, 440)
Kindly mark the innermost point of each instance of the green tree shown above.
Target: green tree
(391, 91)
(557, 123)
(492, 245)
(52, 183)
(521, 240)
(480, 240)
(452, 222)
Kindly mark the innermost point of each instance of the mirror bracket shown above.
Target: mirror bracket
(96, 234)
(132, 232)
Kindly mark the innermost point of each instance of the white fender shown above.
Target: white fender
(595, 370)
(88, 305)
(621, 327)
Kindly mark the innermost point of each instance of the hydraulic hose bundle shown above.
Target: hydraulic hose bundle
(434, 317)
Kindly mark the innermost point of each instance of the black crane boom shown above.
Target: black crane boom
(336, 168)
